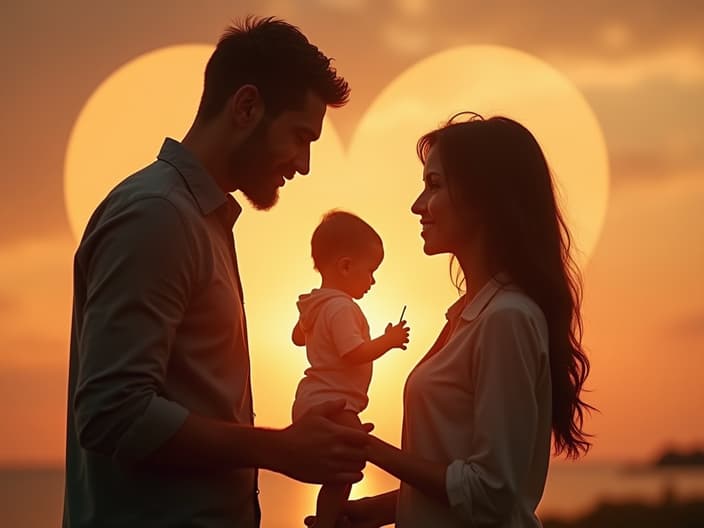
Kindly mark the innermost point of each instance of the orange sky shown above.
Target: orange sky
(641, 70)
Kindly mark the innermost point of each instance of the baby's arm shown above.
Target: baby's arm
(297, 336)
(395, 336)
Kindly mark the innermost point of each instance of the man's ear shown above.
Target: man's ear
(246, 107)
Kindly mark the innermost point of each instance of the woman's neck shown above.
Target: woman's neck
(476, 273)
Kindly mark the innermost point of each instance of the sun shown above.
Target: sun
(123, 123)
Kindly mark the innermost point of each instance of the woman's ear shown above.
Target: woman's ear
(245, 107)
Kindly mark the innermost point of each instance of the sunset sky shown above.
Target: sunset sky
(636, 67)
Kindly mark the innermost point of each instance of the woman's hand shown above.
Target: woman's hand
(424, 475)
(370, 512)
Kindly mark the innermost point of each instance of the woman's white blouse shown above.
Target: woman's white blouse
(482, 405)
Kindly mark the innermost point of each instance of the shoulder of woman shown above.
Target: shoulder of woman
(511, 309)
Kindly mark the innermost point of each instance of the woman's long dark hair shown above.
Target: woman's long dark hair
(496, 169)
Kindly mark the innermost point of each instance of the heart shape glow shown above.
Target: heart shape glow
(122, 124)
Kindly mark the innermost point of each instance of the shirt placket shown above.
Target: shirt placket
(228, 226)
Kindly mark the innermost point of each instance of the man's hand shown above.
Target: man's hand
(397, 335)
(317, 450)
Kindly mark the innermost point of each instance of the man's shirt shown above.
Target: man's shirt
(158, 331)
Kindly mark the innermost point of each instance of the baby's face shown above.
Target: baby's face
(360, 275)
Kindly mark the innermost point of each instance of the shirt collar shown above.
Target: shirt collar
(469, 312)
(207, 194)
(231, 211)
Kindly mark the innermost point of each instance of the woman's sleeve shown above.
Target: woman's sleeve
(483, 488)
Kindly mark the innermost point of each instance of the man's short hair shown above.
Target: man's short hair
(341, 234)
(275, 57)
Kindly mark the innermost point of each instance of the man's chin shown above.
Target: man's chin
(263, 202)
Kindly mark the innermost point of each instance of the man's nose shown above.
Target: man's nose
(303, 161)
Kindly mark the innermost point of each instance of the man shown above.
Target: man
(160, 422)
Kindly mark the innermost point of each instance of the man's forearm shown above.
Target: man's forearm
(313, 449)
(206, 444)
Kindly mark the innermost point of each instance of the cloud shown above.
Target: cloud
(611, 31)
(601, 44)
(653, 129)
(36, 278)
(33, 400)
(55, 55)
(413, 8)
(405, 40)
(34, 350)
(678, 65)
(688, 328)
(7, 304)
(589, 28)
(345, 5)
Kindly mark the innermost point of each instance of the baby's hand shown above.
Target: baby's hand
(397, 335)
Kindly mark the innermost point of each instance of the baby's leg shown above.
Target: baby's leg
(332, 497)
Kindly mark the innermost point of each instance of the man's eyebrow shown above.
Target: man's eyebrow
(308, 132)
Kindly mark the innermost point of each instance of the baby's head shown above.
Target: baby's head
(346, 251)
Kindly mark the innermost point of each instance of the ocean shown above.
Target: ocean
(33, 498)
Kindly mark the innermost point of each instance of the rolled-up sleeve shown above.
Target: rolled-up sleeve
(482, 489)
(137, 267)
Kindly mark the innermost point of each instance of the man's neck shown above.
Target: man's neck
(201, 141)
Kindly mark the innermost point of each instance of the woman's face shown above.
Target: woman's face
(443, 230)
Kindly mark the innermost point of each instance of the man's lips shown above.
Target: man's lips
(283, 178)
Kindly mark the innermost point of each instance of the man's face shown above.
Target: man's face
(276, 150)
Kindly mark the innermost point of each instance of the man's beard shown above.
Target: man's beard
(251, 165)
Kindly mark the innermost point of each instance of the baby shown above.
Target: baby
(346, 252)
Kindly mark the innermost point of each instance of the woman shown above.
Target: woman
(507, 370)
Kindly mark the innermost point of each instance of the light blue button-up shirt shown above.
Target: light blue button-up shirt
(158, 331)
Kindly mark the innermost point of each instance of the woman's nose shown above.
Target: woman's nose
(418, 207)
